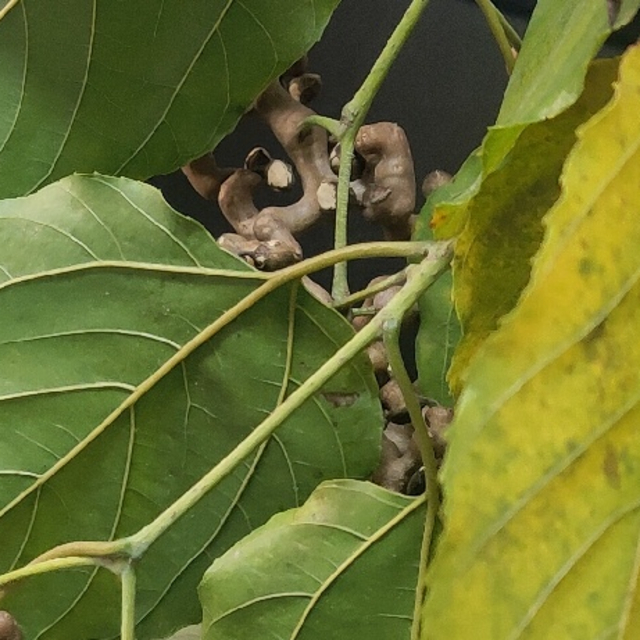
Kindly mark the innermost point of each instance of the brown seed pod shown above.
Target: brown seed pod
(9, 629)
(389, 196)
(392, 398)
(434, 180)
(268, 255)
(270, 246)
(277, 254)
(305, 87)
(438, 419)
(205, 176)
(236, 200)
(357, 168)
(296, 69)
(307, 148)
(379, 360)
(399, 460)
(276, 173)
(382, 299)
(358, 322)
(243, 248)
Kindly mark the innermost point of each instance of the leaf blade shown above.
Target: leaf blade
(80, 341)
(557, 387)
(568, 33)
(136, 90)
(504, 229)
(351, 523)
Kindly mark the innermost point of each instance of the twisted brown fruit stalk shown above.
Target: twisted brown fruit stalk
(388, 180)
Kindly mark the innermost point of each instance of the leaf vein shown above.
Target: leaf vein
(564, 570)
(196, 57)
(68, 389)
(76, 107)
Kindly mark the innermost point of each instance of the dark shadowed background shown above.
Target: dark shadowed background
(445, 89)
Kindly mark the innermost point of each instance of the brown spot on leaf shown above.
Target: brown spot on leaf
(340, 399)
(610, 467)
(585, 267)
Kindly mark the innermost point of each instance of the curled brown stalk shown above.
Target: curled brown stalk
(383, 185)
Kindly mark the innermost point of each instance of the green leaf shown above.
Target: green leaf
(437, 338)
(344, 565)
(101, 283)
(493, 253)
(188, 633)
(439, 331)
(542, 478)
(561, 39)
(135, 88)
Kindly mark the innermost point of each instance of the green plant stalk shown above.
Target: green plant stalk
(329, 124)
(128, 620)
(391, 337)
(353, 116)
(364, 311)
(340, 285)
(356, 110)
(55, 564)
(433, 506)
(496, 24)
(119, 548)
(88, 549)
(395, 279)
(511, 33)
(5, 10)
(420, 277)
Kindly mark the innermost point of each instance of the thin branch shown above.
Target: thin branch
(55, 564)
(496, 22)
(395, 279)
(356, 110)
(391, 336)
(353, 116)
(421, 277)
(7, 7)
(433, 506)
(329, 124)
(128, 620)
(81, 549)
(511, 33)
(340, 285)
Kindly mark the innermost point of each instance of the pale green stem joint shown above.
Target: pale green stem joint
(334, 127)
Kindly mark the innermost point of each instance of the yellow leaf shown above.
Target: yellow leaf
(542, 479)
(504, 225)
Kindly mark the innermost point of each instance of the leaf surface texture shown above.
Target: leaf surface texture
(542, 479)
(343, 565)
(136, 88)
(101, 284)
